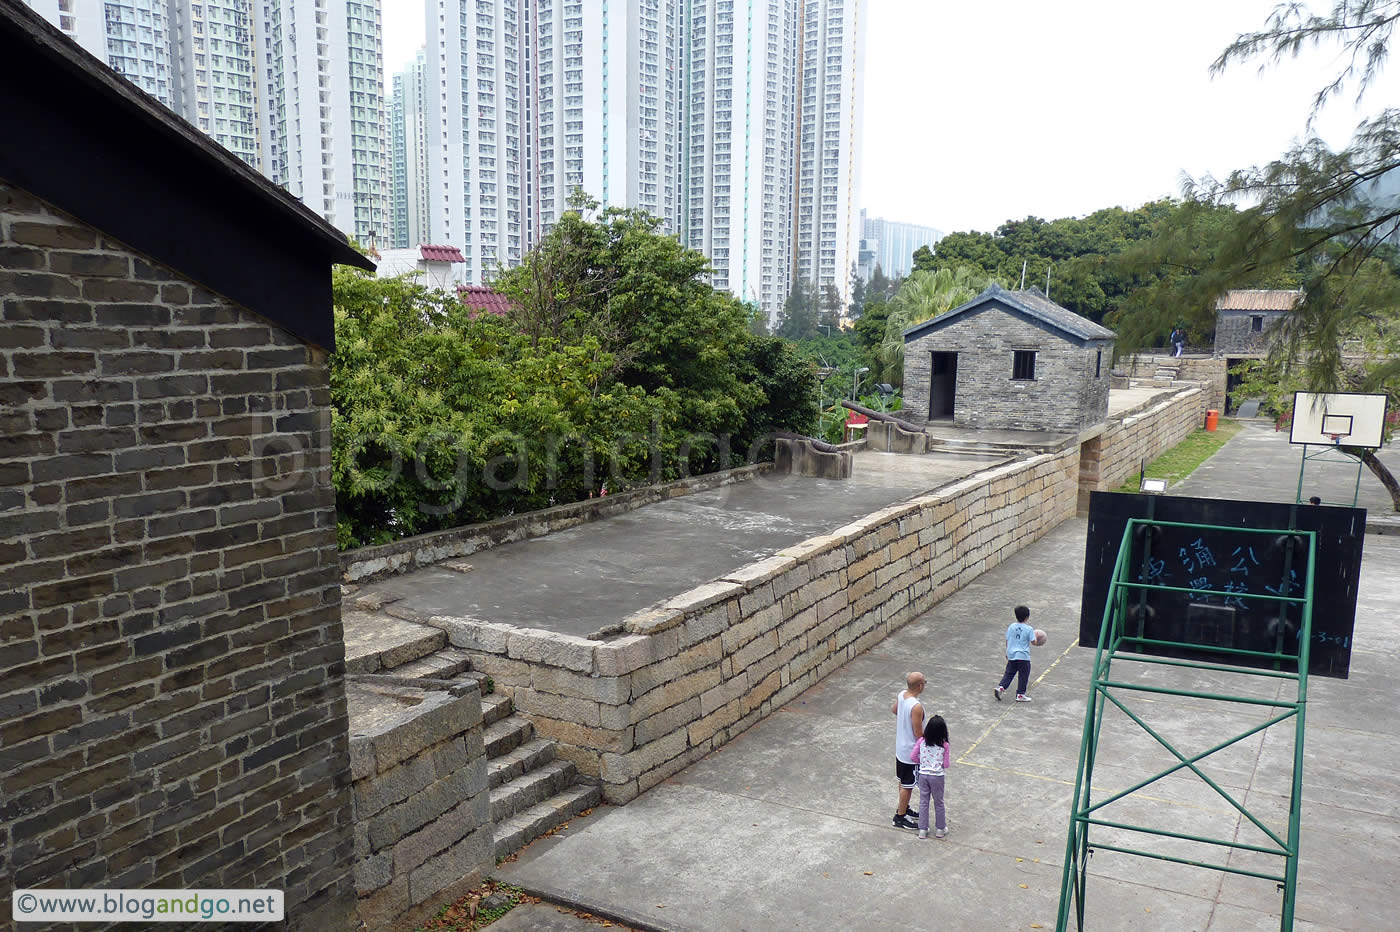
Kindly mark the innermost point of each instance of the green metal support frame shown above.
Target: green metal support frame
(1333, 452)
(1114, 636)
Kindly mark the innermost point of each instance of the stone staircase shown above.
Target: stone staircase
(531, 791)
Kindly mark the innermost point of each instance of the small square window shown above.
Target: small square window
(1256, 323)
(1023, 365)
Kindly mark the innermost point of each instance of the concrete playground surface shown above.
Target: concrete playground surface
(788, 826)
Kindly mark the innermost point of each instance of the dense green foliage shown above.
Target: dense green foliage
(618, 366)
(924, 295)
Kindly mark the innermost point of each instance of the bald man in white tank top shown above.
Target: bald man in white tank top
(908, 725)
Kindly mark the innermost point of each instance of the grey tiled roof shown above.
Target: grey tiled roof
(1031, 302)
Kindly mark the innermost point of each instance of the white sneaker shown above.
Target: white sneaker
(1023, 698)
(940, 833)
(923, 834)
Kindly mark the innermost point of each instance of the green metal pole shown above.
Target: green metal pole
(1071, 884)
(1295, 803)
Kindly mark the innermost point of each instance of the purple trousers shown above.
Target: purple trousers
(931, 785)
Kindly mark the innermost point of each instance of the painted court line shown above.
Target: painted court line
(962, 758)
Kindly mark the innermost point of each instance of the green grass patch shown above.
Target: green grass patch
(1181, 460)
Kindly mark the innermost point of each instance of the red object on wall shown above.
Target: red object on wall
(852, 418)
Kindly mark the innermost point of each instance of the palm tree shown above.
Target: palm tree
(924, 296)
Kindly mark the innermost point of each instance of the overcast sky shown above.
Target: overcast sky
(980, 113)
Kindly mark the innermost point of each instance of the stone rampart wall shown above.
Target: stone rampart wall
(423, 831)
(693, 672)
(1111, 458)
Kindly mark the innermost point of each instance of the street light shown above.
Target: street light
(855, 380)
(823, 373)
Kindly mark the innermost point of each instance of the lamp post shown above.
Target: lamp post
(855, 380)
(823, 373)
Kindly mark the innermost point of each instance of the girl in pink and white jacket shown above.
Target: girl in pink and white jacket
(934, 757)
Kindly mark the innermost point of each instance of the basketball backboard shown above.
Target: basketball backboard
(1338, 419)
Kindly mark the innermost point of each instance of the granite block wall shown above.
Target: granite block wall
(693, 672)
(423, 831)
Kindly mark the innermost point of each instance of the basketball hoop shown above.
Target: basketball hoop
(1336, 439)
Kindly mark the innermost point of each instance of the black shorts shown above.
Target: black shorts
(905, 773)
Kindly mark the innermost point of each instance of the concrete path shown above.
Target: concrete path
(788, 826)
(1259, 464)
(586, 578)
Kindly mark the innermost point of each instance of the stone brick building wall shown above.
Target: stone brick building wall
(171, 656)
(692, 673)
(423, 830)
(1065, 395)
(1235, 334)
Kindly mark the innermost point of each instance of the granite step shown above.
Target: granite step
(524, 827)
(533, 753)
(531, 788)
(376, 643)
(494, 708)
(506, 735)
(441, 665)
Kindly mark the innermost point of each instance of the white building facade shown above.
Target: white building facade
(474, 132)
(214, 69)
(891, 245)
(831, 92)
(408, 125)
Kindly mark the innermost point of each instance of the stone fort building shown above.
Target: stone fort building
(1008, 359)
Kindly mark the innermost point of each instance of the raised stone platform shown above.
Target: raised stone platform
(582, 580)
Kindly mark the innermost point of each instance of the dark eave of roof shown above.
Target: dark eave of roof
(1031, 306)
(92, 144)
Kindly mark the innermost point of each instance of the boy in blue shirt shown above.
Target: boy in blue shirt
(1018, 656)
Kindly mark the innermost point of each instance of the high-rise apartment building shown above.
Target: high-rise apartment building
(829, 114)
(322, 112)
(602, 106)
(891, 245)
(131, 36)
(474, 141)
(408, 145)
(741, 68)
(213, 68)
(83, 21)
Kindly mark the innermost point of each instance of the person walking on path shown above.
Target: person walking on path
(1178, 341)
(1018, 656)
(934, 758)
(908, 725)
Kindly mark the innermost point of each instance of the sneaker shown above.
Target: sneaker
(923, 834)
(904, 822)
(912, 815)
(942, 832)
(997, 691)
(1023, 698)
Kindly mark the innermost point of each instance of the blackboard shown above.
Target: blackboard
(1233, 562)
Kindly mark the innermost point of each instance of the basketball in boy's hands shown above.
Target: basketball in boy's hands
(1039, 639)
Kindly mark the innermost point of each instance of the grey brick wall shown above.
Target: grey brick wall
(1235, 336)
(171, 656)
(1065, 394)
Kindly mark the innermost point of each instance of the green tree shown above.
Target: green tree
(800, 313)
(830, 316)
(924, 296)
(1329, 215)
(857, 293)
